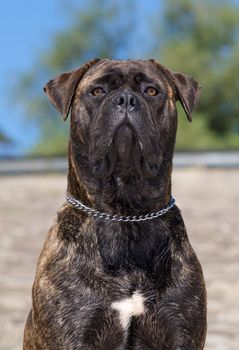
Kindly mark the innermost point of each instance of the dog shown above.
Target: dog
(117, 270)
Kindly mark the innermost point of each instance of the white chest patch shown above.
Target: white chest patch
(129, 307)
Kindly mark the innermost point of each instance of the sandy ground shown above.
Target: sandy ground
(209, 203)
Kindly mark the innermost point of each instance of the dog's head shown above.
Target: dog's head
(123, 115)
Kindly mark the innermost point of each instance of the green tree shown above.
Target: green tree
(100, 29)
(200, 38)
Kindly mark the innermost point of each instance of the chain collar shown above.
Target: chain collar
(131, 218)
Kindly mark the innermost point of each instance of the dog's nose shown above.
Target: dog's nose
(126, 100)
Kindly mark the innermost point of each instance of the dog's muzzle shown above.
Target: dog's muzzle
(124, 134)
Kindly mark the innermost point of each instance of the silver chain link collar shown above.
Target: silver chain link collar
(131, 218)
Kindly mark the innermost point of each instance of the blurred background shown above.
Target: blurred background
(42, 39)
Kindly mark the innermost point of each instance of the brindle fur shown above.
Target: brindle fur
(87, 264)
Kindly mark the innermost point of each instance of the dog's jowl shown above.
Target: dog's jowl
(117, 270)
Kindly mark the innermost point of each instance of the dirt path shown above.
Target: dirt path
(209, 203)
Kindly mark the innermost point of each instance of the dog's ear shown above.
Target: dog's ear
(186, 89)
(61, 90)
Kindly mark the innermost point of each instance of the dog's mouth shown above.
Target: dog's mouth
(125, 156)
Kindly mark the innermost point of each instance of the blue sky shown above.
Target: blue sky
(26, 29)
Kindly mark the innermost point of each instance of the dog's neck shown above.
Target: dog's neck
(114, 196)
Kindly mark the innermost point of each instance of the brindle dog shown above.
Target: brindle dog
(107, 285)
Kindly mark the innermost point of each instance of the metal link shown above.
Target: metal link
(114, 217)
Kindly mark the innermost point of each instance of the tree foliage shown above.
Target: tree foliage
(201, 39)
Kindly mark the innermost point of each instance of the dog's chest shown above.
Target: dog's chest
(137, 246)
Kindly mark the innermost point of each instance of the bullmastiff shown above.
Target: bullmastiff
(117, 270)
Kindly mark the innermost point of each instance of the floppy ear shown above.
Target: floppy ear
(61, 90)
(186, 89)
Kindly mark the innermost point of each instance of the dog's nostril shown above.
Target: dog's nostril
(132, 101)
(121, 101)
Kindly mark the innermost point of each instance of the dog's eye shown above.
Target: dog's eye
(151, 91)
(97, 91)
